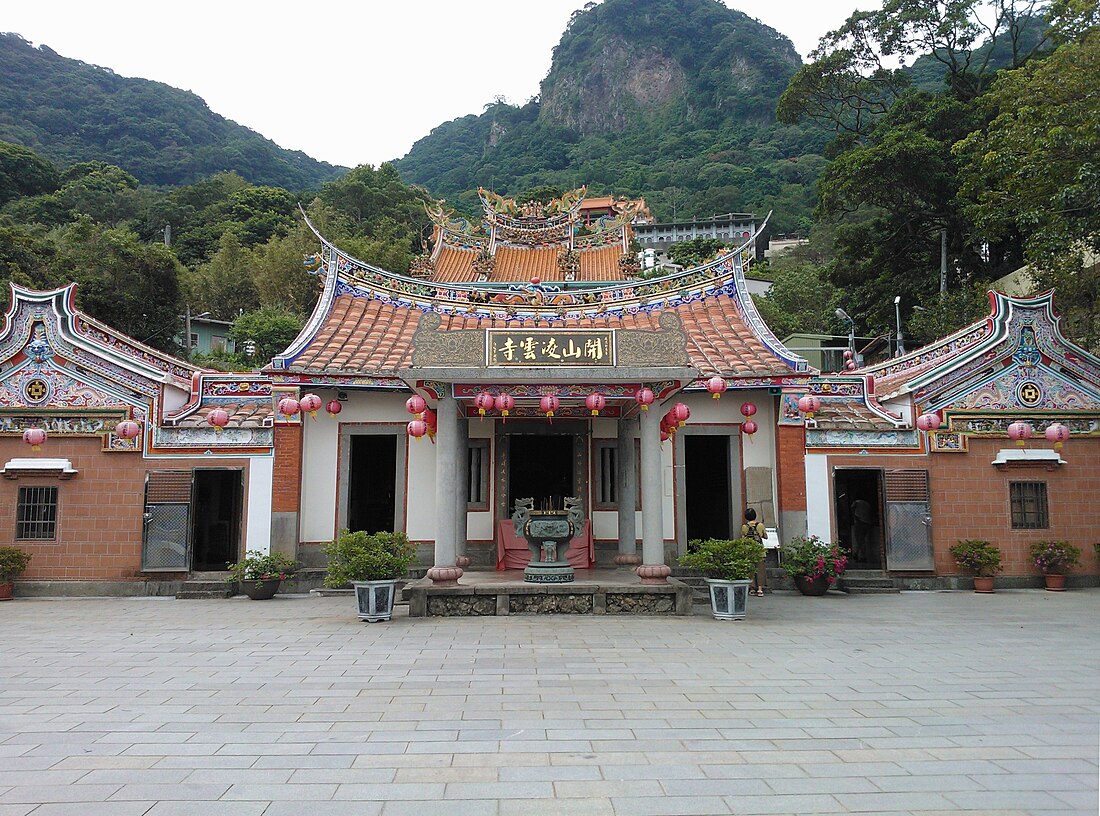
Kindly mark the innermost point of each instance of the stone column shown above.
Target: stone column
(445, 572)
(626, 488)
(461, 479)
(653, 569)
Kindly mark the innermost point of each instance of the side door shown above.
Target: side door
(908, 520)
(166, 541)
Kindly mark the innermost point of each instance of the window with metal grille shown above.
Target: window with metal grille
(1028, 501)
(606, 488)
(477, 474)
(36, 514)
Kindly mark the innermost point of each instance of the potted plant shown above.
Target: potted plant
(813, 564)
(260, 574)
(13, 563)
(981, 559)
(371, 563)
(728, 566)
(1054, 559)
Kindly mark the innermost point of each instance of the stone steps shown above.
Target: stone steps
(205, 589)
(867, 582)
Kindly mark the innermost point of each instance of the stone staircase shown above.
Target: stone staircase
(867, 582)
(206, 585)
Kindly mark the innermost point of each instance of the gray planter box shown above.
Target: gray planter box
(374, 599)
(728, 599)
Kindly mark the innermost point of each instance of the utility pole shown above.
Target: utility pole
(943, 263)
(168, 235)
(187, 332)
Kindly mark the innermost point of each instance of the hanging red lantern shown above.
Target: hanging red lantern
(417, 428)
(288, 407)
(850, 365)
(432, 419)
(668, 421)
(484, 402)
(35, 437)
(717, 386)
(664, 435)
(748, 409)
(595, 403)
(644, 397)
(218, 418)
(929, 422)
(749, 427)
(311, 404)
(548, 405)
(809, 405)
(680, 414)
(127, 429)
(1057, 433)
(416, 404)
(334, 407)
(1019, 432)
(505, 403)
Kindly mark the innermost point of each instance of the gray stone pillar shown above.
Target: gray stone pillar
(461, 479)
(626, 488)
(653, 569)
(445, 572)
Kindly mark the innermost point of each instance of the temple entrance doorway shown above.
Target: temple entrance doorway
(858, 503)
(372, 478)
(542, 468)
(707, 485)
(216, 500)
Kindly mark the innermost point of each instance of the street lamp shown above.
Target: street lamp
(843, 315)
(897, 314)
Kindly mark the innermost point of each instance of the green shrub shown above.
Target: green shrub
(726, 559)
(13, 563)
(1054, 557)
(811, 557)
(364, 556)
(977, 556)
(257, 566)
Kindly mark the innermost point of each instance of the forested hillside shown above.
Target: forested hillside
(68, 111)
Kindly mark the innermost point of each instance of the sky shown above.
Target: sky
(346, 82)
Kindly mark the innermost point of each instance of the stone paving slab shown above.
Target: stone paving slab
(919, 703)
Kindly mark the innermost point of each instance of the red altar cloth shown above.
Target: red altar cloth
(512, 551)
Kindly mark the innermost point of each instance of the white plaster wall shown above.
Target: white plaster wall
(260, 480)
(818, 507)
(420, 490)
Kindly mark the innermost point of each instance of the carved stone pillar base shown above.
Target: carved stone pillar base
(628, 559)
(445, 576)
(654, 573)
(462, 561)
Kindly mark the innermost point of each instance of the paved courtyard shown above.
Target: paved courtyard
(923, 703)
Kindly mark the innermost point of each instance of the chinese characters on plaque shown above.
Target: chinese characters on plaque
(506, 347)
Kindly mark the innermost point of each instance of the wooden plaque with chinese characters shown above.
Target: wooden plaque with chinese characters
(549, 347)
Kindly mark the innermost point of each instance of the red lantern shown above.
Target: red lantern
(35, 437)
(127, 429)
(929, 422)
(850, 365)
(1019, 432)
(505, 402)
(1056, 433)
(717, 386)
(334, 407)
(218, 418)
(747, 409)
(595, 403)
(417, 428)
(288, 407)
(664, 435)
(644, 397)
(430, 417)
(809, 405)
(311, 404)
(680, 414)
(548, 405)
(749, 427)
(484, 402)
(416, 404)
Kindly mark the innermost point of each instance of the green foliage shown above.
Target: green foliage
(694, 252)
(725, 559)
(811, 557)
(257, 566)
(270, 328)
(223, 285)
(362, 556)
(978, 557)
(24, 173)
(801, 299)
(13, 563)
(1054, 557)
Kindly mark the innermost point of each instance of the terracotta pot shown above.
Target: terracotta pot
(5, 591)
(812, 586)
(261, 590)
(1055, 583)
(983, 583)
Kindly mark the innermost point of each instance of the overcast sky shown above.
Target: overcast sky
(347, 82)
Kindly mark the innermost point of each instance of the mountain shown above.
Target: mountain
(670, 99)
(69, 111)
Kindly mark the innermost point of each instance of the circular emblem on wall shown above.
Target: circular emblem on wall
(36, 391)
(1029, 394)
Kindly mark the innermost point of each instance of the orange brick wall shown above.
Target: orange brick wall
(286, 491)
(790, 457)
(970, 500)
(99, 510)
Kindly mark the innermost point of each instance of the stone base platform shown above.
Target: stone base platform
(594, 592)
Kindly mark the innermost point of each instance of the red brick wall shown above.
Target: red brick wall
(791, 467)
(286, 491)
(99, 527)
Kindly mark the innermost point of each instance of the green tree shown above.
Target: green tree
(694, 252)
(223, 285)
(24, 173)
(269, 329)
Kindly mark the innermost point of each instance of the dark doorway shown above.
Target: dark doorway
(858, 493)
(707, 485)
(541, 468)
(372, 483)
(217, 500)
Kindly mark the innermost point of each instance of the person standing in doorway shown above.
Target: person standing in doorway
(863, 520)
(755, 530)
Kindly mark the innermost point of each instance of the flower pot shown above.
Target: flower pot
(1055, 583)
(375, 599)
(5, 591)
(261, 590)
(728, 599)
(983, 583)
(812, 586)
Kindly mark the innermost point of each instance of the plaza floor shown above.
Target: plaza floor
(919, 703)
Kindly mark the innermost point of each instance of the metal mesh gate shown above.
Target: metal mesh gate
(908, 523)
(166, 544)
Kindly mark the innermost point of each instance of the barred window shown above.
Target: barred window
(477, 475)
(1029, 505)
(36, 514)
(606, 471)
